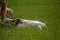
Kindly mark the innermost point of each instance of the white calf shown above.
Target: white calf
(33, 23)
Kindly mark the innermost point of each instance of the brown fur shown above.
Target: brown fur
(9, 12)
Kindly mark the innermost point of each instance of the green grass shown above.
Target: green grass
(47, 11)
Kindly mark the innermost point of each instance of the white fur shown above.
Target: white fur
(32, 23)
(7, 19)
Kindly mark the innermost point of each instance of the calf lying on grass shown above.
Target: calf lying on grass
(24, 22)
(32, 23)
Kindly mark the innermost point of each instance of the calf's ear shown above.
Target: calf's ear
(13, 20)
(18, 21)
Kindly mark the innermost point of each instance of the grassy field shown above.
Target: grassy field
(47, 11)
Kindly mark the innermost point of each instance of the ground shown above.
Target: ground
(47, 11)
